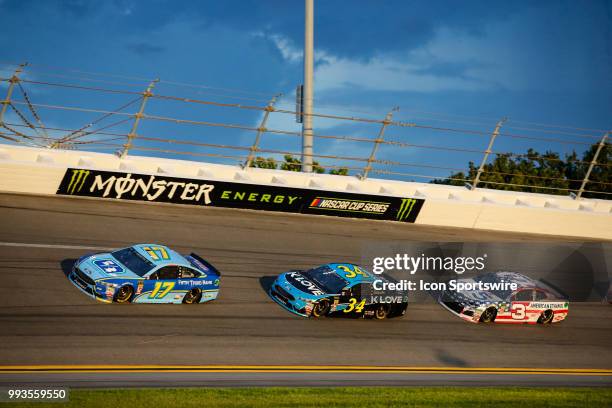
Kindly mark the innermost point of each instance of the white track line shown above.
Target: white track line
(54, 246)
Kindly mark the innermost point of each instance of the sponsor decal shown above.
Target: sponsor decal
(547, 305)
(300, 282)
(108, 266)
(139, 287)
(157, 188)
(192, 282)
(405, 209)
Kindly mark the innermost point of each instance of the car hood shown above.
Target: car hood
(104, 265)
(299, 286)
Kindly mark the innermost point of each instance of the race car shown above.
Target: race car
(146, 273)
(531, 302)
(337, 289)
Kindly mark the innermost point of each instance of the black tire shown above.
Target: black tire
(124, 294)
(489, 315)
(193, 296)
(546, 317)
(321, 308)
(381, 312)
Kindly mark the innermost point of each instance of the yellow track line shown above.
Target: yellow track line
(5, 369)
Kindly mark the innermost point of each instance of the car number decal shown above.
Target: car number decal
(165, 288)
(353, 305)
(156, 252)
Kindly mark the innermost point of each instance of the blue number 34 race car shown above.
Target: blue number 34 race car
(146, 273)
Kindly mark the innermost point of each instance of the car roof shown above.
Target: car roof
(340, 270)
(160, 255)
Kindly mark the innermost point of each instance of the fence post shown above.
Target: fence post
(145, 97)
(488, 151)
(7, 101)
(377, 142)
(602, 143)
(260, 131)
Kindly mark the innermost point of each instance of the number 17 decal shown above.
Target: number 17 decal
(157, 252)
(165, 288)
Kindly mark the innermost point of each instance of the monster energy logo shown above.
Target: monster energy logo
(77, 181)
(405, 209)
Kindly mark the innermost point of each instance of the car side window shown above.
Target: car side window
(186, 272)
(167, 272)
(523, 296)
(541, 295)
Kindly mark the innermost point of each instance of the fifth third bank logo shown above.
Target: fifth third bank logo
(405, 209)
(77, 181)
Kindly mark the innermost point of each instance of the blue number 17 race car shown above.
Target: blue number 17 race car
(337, 289)
(146, 273)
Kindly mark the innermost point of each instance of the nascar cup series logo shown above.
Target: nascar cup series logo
(405, 209)
(358, 206)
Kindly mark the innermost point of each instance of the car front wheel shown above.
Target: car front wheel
(321, 308)
(489, 315)
(124, 294)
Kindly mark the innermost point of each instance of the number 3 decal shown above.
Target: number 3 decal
(518, 311)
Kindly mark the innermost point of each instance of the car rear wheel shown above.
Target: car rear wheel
(489, 315)
(546, 317)
(124, 294)
(321, 308)
(381, 312)
(193, 296)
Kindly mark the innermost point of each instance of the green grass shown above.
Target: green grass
(361, 397)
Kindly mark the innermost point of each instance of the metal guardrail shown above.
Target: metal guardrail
(95, 134)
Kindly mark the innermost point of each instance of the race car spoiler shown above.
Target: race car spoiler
(206, 265)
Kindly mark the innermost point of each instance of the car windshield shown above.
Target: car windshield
(326, 278)
(493, 278)
(133, 261)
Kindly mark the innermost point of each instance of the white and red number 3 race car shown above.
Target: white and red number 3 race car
(531, 302)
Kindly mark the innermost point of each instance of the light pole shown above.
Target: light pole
(307, 138)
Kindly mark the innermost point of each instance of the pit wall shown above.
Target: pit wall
(39, 171)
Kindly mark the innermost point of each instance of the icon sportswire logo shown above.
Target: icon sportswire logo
(77, 181)
(405, 209)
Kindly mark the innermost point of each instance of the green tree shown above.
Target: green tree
(541, 173)
(264, 163)
(342, 171)
(294, 164)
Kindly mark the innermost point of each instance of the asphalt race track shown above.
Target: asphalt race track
(45, 321)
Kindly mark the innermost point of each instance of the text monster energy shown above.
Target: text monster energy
(105, 184)
(405, 208)
(150, 188)
(77, 181)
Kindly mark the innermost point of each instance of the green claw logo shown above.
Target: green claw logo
(405, 209)
(77, 181)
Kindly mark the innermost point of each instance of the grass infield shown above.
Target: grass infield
(362, 397)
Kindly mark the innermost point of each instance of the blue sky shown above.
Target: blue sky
(462, 65)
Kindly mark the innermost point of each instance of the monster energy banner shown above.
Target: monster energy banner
(154, 188)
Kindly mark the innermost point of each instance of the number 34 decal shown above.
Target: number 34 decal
(354, 305)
